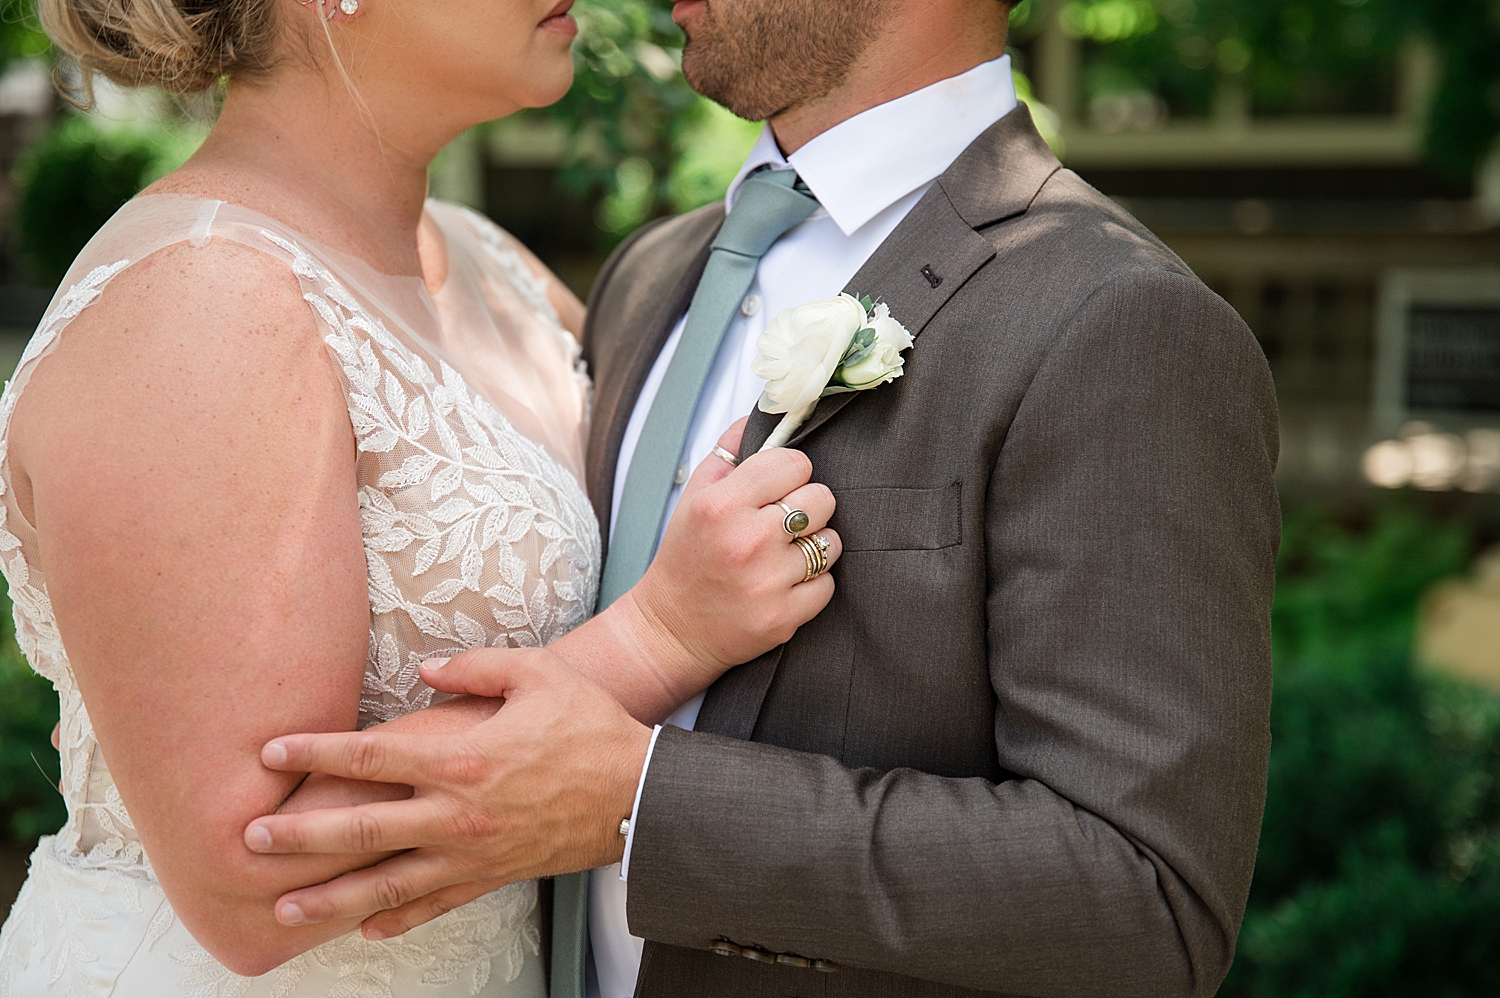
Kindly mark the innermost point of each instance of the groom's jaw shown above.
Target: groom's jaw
(760, 57)
(806, 66)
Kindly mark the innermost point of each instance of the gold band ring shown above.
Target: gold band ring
(724, 455)
(814, 554)
(795, 521)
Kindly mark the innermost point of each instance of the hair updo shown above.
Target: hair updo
(183, 47)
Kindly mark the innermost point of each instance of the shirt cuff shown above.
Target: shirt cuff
(636, 808)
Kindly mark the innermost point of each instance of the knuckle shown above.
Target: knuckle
(739, 552)
(287, 835)
(364, 833)
(469, 825)
(715, 506)
(390, 892)
(364, 757)
(533, 658)
(799, 463)
(741, 557)
(464, 767)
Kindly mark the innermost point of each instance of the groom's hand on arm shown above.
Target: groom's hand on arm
(538, 789)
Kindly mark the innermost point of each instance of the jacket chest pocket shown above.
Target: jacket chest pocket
(896, 519)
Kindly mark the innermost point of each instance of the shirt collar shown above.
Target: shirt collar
(862, 166)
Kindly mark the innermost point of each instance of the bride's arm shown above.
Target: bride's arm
(187, 459)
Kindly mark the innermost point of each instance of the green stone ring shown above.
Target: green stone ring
(795, 520)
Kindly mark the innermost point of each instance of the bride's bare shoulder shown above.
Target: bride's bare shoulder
(187, 335)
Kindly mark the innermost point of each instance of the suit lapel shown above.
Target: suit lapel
(929, 256)
(936, 249)
(932, 239)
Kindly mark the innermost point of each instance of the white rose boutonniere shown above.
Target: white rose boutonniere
(826, 347)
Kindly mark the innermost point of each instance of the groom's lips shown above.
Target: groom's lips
(560, 21)
(684, 9)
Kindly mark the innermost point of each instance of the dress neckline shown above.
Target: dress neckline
(349, 261)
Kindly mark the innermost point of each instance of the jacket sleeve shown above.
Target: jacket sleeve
(1131, 534)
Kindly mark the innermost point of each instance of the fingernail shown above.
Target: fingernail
(273, 754)
(291, 914)
(435, 664)
(374, 935)
(258, 838)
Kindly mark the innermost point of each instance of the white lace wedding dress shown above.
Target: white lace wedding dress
(469, 409)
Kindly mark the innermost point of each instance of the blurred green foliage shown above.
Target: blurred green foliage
(20, 34)
(643, 140)
(642, 137)
(1379, 865)
(29, 800)
(630, 114)
(76, 177)
(1297, 57)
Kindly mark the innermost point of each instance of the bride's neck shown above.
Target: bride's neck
(307, 153)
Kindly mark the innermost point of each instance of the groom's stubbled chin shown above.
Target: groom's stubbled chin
(761, 57)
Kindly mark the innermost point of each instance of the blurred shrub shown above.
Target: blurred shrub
(1379, 865)
(1350, 596)
(628, 111)
(713, 149)
(21, 33)
(76, 177)
(29, 801)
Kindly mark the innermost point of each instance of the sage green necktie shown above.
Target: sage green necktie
(768, 205)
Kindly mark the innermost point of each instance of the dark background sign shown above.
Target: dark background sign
(1453, 359)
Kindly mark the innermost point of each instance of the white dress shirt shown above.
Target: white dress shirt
(867, 173)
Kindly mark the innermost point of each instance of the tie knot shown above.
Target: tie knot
(767, 206)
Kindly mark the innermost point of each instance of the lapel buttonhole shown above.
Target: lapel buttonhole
(932, 279)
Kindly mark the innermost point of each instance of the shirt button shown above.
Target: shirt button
(682, 474)
(751, 304)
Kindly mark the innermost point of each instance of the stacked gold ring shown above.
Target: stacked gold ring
(815, 553)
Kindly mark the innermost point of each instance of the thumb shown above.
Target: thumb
(714, 468)
(497, 673)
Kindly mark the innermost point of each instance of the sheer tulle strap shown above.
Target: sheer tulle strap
(203, 227)
(491, 321)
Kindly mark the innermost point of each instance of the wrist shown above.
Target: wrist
(622, 783)
(651, 631)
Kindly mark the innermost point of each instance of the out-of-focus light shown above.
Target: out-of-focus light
(1484, 461)
(1427, 459)
(1388, 464)
(1438, 460)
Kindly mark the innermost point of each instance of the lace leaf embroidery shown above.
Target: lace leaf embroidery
(492, 489)
(457, 496)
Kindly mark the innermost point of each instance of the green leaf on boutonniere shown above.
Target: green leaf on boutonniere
(868, 303)
(859, 347)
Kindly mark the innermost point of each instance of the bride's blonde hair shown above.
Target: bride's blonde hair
(183, 47)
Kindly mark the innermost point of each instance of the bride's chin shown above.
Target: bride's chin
(555, 87)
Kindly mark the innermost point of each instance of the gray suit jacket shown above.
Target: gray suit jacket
(1024, 748)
